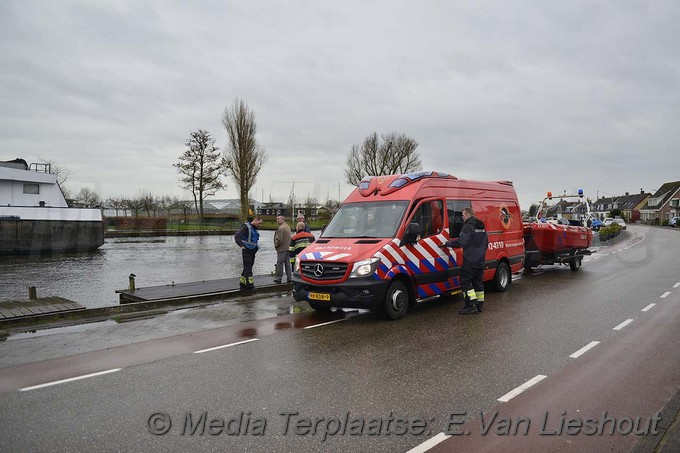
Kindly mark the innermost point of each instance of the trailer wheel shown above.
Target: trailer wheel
(502, 278)
(396, 300)
(575, 263)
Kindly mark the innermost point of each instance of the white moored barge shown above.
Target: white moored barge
(35, 217)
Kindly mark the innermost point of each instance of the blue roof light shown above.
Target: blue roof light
(417, 175)
(401, 182)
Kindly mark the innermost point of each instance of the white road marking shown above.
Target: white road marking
(648, 307)
(225, 346)
(666, 294)
(325, 323)
(676, 285)
(584, 349)
(429, 443)
(623, 324)
(63, 381)
(513, 393)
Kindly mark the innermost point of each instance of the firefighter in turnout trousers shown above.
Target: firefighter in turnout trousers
(474, 241)
(247, 238)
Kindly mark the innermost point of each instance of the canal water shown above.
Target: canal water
(92, 278)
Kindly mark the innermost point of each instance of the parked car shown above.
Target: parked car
(608, 221)
(596, 225)
(620, 223)
(674, 222)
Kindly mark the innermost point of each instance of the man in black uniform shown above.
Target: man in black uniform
(247, 238)
(474, 241)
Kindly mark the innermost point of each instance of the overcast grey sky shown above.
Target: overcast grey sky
(552, 95)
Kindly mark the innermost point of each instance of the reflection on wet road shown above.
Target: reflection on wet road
(50, 343)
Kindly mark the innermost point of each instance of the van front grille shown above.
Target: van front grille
(320, 270)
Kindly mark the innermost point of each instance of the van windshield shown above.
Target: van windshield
(374, 219)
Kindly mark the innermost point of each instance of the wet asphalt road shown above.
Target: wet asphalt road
(415, 371)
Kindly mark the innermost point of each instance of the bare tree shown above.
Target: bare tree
(135, 205)
(118, 204)
(310, 204)
(165, 203)
(184, 206)
(148, 202)
(244, 156)
(87, 198)
(394, 154)
(121, 204)
(201, 167)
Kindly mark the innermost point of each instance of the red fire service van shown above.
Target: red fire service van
(382, 248)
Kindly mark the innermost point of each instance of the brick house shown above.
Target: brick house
(663, 205)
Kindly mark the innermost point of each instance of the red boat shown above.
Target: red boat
(553, 238)
(559, 240)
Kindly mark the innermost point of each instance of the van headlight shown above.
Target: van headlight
(296, 266)
(364, 268)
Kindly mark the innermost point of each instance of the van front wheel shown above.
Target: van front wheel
(502, 278)
(396, 301)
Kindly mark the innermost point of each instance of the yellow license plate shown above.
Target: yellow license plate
(319, 296)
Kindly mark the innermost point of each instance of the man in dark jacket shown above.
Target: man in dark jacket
(474, 241)
(247, 238)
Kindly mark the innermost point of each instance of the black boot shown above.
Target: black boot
(480, 305)
(469, 308)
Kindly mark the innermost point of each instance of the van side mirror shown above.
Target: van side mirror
(411, 234)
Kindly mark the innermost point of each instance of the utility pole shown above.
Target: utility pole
(292, 202)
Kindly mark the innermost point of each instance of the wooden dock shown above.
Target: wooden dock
(202, 289)
(16, 309)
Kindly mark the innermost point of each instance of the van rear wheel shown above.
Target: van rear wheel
(396, 301)
(502, 278)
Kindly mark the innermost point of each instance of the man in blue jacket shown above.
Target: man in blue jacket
(474, 241)
(247, 238)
